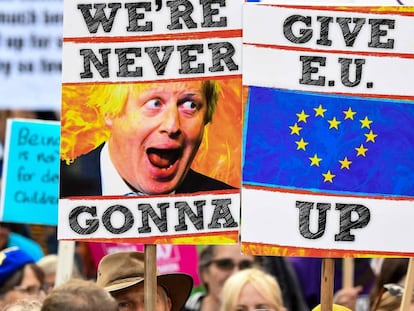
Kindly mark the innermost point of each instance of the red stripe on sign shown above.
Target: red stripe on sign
(395, 10)
(162, 37)
(304, 49)
(282, 250)
(199, 78)
(222, 237)
(319, 193)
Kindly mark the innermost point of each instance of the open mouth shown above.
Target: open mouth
(163, 158)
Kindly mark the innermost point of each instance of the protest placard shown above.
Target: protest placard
(30, 181)
(328, 147)
(151, 107)
(30, 54)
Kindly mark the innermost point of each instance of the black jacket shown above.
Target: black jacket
(83, 178)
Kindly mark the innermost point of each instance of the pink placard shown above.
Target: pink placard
(170, 257)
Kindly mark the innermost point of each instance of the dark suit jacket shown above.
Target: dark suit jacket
(83, 178)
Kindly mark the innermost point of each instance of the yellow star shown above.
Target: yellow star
(371, 136)
(361, 150)
(295, 129)
(319, 111)
(301, 144)
(349, 114)
(345, 163)
(328, 176)
(315, 160)
(365, 123)
(302, 116)
(333, 123)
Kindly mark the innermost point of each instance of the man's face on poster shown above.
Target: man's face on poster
(155, 138)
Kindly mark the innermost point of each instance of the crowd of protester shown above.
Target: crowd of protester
(231, 281)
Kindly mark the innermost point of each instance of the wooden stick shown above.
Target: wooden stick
(408, 286)
(65, 261)
(327, 284)
(150, 277)
(347, 272)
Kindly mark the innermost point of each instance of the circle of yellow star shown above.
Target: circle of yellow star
(371, 136)
(345, 163)
(301, 144)
(361, 150)
(328, 176)
(365, 123)
(302, 116)
(295, 129)
(349, 114)
(315, 160)
(334, 123)
(319, 111)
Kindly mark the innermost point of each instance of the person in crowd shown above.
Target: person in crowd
(122, 275)
(49, 266)
(13, 234)
(309, 271)
(79, 295)
(20, 277)
(24, 305)
(282, 269)
(347, 297)
(251, 289)
(155, 131)
(216, 264)
(391, 299)
(388, 289)
(335, 307)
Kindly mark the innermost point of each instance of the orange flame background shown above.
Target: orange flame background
(219, 156)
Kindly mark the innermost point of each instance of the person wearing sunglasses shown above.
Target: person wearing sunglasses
(216, 264)
(252, 290)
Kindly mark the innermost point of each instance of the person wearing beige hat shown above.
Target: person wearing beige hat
(122, 275)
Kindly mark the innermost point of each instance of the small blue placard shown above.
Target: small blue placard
(30, 182)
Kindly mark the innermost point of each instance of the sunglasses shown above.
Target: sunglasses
(228, 264)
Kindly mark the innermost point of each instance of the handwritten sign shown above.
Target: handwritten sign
(30, 54)
(31, 172)
(328, 149)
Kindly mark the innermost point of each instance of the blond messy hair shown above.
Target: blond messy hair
(110, 99)
(263, 282)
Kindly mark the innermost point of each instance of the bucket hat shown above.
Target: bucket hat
(125, 269)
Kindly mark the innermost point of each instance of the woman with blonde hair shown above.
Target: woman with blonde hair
(251, 289)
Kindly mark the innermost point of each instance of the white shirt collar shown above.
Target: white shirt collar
(112, 182)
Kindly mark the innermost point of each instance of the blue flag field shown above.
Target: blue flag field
(329, 143)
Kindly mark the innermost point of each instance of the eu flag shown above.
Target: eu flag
(329, 143)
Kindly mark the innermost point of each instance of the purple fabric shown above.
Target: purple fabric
(309, 271)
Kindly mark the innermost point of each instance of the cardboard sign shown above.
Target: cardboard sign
(328, 150)
(30, 54)
(151, 105)
(30, 180)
